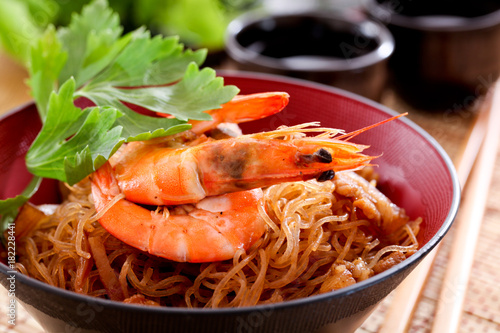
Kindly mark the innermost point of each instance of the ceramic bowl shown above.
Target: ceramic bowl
(348, 52)
(447, 52)
(414, 171)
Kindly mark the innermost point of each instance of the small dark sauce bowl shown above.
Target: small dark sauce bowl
(349, 53)
(447, 52)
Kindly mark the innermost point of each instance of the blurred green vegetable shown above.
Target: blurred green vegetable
(22, 22)
(198, 23)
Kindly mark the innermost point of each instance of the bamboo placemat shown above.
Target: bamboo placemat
(482, 306)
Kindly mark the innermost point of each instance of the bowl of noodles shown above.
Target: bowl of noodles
(322, 265)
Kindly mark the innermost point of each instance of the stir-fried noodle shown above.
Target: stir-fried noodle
(321, 237)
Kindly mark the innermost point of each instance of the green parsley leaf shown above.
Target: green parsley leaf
(138, 127)
(148, 61)
(197, 92)
(73, 143)
(92, 40)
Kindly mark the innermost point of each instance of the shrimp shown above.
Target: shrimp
(211, 230)
(153, 174)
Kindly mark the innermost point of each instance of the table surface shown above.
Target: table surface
(481, 312)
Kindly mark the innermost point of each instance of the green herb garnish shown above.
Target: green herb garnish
(92, 59)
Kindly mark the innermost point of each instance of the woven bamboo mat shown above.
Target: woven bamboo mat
(481, 312)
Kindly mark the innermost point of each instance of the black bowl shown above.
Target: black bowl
(447, 52)
(414, 171)
(348, 52)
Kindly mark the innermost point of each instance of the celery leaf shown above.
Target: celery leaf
(73, 143)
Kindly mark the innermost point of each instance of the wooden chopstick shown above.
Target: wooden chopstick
(453, 292)
(405, 297)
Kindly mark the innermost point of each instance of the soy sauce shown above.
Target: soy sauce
(302, 39)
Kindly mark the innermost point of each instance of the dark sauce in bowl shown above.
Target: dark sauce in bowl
(306, 39)
(345, 52)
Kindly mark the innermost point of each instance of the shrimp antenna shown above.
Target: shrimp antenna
(352, 134)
